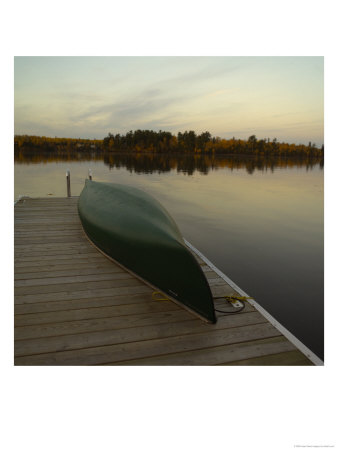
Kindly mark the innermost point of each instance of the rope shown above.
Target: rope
(233, 299)
(155, 294)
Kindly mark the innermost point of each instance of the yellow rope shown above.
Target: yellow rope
(234, 298)
(155, 296)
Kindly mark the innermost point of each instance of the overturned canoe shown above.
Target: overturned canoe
(134, 229)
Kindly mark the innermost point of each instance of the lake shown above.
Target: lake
(261, 222)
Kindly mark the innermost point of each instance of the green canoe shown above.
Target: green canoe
(134, 229)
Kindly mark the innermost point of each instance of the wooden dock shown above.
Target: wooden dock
(73, 306)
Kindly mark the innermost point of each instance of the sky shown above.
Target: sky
(88, 97)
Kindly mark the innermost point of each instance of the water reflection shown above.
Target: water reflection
(160, 163)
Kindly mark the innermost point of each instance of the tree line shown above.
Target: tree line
(148, 141)
(189, 141)
(26, 142)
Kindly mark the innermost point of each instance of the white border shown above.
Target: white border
(296, 342)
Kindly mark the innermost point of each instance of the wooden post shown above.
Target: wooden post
(90, 174)
(68, 182)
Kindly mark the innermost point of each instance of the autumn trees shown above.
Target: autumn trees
(26, 142)
(149, 141)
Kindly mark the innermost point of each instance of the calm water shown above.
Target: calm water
(261, 223)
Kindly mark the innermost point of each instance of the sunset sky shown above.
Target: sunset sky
(89, 97)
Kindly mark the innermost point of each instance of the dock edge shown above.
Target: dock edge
(295, 341)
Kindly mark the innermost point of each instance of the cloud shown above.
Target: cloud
(149, 107)
(213, 70)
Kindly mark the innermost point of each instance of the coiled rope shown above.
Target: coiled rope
(232, 299)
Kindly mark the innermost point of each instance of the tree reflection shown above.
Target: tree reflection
(161, 163)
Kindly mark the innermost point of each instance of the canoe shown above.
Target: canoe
(135, 230)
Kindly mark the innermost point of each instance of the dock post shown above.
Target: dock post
(90, 174)
(68, 182)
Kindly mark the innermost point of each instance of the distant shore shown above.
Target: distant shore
(147, 141)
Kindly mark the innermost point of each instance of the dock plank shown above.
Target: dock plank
(139, 288)
(39, 259)
(65, 270)
(66, 279)
(80, 303)
(84, 314)
(289, 358)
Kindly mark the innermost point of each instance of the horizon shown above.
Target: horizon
(269, 97)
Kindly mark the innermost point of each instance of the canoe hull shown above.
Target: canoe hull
(134, 229)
